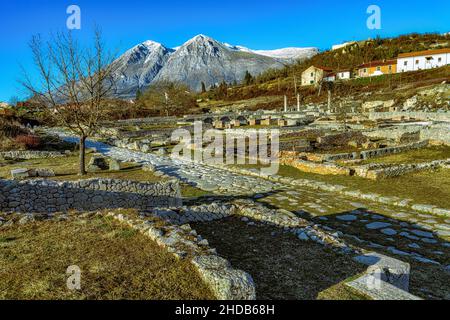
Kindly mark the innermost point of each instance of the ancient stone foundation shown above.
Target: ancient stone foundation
(86, 195)
(28, 155)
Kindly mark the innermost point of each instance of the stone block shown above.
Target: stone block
(19, 174)
(387, 269)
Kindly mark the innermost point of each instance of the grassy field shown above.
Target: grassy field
(415, 156)
(116, 263)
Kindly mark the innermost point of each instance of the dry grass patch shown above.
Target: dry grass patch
(282, 266)
(116, 263)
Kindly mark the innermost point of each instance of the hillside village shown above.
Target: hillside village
(362, 189)
(406, 62)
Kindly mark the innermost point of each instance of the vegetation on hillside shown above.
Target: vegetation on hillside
(166, 98)
(286, 81)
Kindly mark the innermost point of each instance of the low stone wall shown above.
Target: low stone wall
(395, 133)
(86, 195)
(392, 150)
(367, 154)
(319, 168)
(303, 229)
(384, 171)
(28, 155)
(437, 134)
(435, 116)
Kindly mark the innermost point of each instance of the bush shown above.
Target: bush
(29, 141)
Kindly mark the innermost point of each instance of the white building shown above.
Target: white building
(343, 74)
(314, 75)
(342, 45)
(423, 60)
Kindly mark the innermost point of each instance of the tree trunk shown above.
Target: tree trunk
(82, 156)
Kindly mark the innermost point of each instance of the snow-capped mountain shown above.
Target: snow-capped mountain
(201, 59)
(137, 67)
(287, 54)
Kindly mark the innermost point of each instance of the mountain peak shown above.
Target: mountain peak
(151, 43)
(201, 38)
(200, 59)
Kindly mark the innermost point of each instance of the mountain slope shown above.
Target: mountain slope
(201, 59)
(139, 66)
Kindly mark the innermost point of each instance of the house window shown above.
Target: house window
(311, 82)
(312, 74)
(390, 68)
(417, 61)
(439, 59)
(378, 68)
(365, 70)
(405, 63)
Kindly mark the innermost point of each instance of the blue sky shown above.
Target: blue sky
(257, 24)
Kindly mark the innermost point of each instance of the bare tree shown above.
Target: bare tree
(74, 84)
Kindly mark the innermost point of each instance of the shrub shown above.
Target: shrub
(29, 141)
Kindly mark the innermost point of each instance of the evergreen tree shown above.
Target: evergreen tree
(248, 78)
(138, 94)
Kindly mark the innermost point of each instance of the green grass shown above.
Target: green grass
(414, 156)
(428, 187)
(116, 263)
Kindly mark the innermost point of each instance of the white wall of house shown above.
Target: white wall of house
(330, 78)
(423, 62)
(311, 76)
(344, 75)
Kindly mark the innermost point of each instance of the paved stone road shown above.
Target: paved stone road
(425, 234)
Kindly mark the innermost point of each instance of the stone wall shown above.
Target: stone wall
(86, 195)
(435, 116)
(27, 155)
(437, 134)
(392, 150)
(384, 171)
(319, 168)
